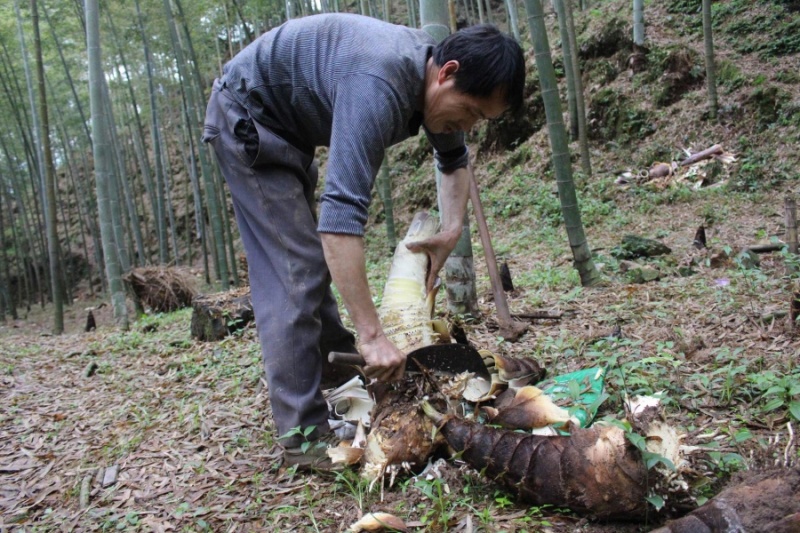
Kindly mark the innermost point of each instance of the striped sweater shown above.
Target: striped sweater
(349, 82)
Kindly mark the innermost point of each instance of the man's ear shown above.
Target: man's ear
(448, 70)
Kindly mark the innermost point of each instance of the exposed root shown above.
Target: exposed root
(162, 289)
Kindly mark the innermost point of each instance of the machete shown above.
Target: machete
(450, 358)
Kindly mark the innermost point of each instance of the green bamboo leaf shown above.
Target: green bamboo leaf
(794, 408)
(637, 440)
(656, 501)
(773, 404)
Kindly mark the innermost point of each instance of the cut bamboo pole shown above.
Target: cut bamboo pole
(699, 156)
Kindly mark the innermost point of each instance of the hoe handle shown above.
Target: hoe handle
(345, 358)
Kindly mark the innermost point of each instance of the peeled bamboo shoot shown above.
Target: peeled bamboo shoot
(400, 434)
(407, 309)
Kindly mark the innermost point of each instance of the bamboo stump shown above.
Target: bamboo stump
(215, 316)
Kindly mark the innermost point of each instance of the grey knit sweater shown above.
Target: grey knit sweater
(344, 81)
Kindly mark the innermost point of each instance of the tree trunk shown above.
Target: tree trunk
(559, 143)
(138, 138)
(583, 134)
(56, 287)
(132, 218)
(638, 22)
(385, 183)
(24, 290)
(67, 283)
(469, 14)
(24, 245)
(215, 316)
(173, 235)
(513, 18)
(385, 192)
(94, 220)
(227, 225)
(711, 71)
(116, 206)
(8, 304)
(160, 215)
(459, 270)
(80, 205)
(638, 59)
(412, 14)
(790, 213)
(245, 26)
(71, 84)
(569, 71)
(217, 211)
(199, 218)
(35, 129)
(179, 132)
(102, 163)
(36, 162)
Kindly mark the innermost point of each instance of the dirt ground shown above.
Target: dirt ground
(186, 426)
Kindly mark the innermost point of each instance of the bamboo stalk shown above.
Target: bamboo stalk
(791, 223)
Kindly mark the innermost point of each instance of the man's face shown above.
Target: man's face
(448, 110)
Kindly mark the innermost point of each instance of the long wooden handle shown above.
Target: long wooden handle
(500, 302)
(345, 358)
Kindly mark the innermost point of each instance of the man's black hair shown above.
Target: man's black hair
(488, 59)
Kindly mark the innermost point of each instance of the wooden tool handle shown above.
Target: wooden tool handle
(344, 358)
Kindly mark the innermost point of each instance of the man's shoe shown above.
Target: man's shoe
(313, 455)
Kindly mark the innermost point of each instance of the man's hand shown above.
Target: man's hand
(438, 248)
(384, 361)
(453, 196)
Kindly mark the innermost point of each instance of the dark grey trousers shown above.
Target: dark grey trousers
(272, 184)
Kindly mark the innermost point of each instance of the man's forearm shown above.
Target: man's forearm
(344, 255)
(453, 195)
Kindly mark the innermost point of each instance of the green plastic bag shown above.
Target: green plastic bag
(581, 392)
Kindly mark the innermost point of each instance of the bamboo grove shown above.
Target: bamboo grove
(101, 165)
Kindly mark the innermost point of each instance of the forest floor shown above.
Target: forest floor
(187, 424)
